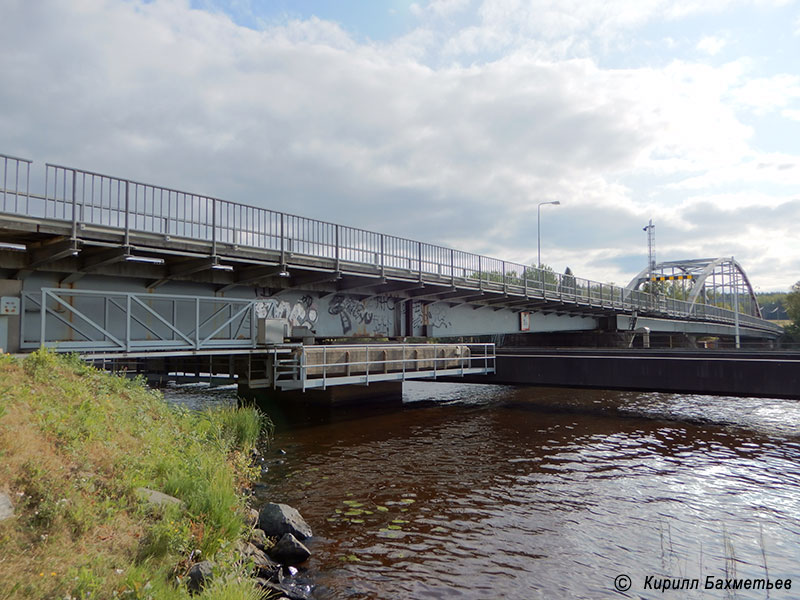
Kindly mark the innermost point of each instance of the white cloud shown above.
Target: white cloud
(766, 94)
(711, 45)
(301, 117)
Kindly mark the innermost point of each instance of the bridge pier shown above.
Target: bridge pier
(723, 373)
(317, 406)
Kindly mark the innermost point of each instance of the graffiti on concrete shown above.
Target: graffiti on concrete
(376, 316)
(302, 313)
(431, 315)
(350, 311)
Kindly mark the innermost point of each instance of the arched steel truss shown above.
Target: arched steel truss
(712, 281)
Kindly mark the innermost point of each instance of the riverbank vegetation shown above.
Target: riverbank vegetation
(78, 447)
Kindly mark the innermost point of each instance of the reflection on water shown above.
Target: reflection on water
(498, 492)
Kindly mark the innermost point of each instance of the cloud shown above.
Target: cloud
(766, 94)
(711, 45)
(301, 117)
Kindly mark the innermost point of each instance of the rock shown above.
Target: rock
(157, 498)
(289, 551)
(6, 508)
(259, 539)
(289, 591)
(264, 566)
(277, 519)
(199, 574)
(251, 517)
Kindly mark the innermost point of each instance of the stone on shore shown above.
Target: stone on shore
(157, 498)
(264, 566)
(289, 551)
(6, 508)
(200, 574)
(277, 519)
(251, 517)
(289, 591)
(259, 539)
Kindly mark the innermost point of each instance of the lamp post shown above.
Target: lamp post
(539, 230)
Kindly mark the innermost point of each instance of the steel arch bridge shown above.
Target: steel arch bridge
(710, 281)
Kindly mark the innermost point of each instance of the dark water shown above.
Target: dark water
(497, 492)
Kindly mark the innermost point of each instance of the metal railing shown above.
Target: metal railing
(84, 198)
(102, 321)
(15, 177)
(342, 364)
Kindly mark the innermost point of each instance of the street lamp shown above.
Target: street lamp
(539, 229)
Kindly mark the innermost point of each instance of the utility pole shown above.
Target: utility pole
(651, 249)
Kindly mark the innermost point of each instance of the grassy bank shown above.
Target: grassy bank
(75, 444)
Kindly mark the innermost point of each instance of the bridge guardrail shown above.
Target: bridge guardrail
(92, 321)
(88, 198)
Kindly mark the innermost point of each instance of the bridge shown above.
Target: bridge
(116, 269)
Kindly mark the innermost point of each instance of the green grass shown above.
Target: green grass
(75, 443)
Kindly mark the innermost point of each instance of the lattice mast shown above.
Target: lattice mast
(651, 248)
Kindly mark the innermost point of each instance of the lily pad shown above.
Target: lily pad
(382, 509)
(391, 533)
(350, 558)
(357, 521)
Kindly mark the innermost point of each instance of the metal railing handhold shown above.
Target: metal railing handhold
(93, 321)
(85, 198)
(339, 364)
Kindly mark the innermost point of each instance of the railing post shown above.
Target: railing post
(452, 267)
(5, 181)
(74, 205)
(127, 322)
(338, 254)
(419, 252)
(525, 280)
(283, 237)
(127, 214)
(42, 325)
(213, 227)
(383, 256)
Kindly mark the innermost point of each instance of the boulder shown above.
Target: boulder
(291, 592)
(277, 519)
(264, 566)
(200, 574)
(157, 498)
(289, 551)
(251, 517)
(259, 539)
(6, 508)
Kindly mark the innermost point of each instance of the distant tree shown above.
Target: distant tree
(792, 303)
(773, 305)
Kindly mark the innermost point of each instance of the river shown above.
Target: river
(480, 491)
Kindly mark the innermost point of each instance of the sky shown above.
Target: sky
(445, 121)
